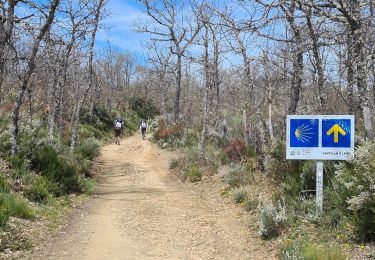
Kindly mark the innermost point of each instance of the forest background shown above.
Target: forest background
(222, 76)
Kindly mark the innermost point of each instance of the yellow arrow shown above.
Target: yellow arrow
(336, 129)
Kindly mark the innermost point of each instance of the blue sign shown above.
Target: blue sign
(320, 137)
(336, 133)
(304, 133)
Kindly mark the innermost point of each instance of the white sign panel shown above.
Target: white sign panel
(318, 137)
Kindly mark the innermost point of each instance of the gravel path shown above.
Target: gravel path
(141, 212)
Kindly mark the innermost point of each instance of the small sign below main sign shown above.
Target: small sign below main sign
(317, 137)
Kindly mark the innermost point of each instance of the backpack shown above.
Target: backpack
(118, 125)
(143, 125)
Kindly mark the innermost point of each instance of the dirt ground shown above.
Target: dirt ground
(141, 211)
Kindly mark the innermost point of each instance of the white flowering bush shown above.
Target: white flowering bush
(358, 177)
(272, 219)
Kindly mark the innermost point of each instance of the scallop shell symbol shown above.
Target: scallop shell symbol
(303, 133)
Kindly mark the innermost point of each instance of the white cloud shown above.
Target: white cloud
(120, 26)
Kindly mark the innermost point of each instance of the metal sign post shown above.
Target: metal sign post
(319, 186)
(320, 137)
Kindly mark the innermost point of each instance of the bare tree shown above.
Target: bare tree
(30, 67)
(171, 27)
(98, 7)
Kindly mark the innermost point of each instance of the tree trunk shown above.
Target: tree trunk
(90, 77)
(296, 82)
(350, 76)
(178, 89)
(202, 141)
(318, 61)
(15, 120)
(60, 117)
(245, 127)
(31, 66)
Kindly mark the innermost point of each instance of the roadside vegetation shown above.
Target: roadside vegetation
(281, 193)
(43, 180)
(222, 75)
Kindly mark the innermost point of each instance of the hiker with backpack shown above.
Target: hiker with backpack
(119, 124)
(143, 128)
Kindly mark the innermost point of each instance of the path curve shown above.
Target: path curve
(140, 212)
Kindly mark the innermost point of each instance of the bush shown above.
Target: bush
(272, 219)
(20, 165)
(191, 155)
(57, 170)
(89, 148)
(277, 165)
(251, 204)
(335, 205)
(144, 108)
(88, 131)
(364, 220)
(169, 133)
(240, 195)
(235, 150)
(90, 186)
(304, 250)
(100, 119)
(216, 155)
(4, 136)
(4, 187)
(315, 252)
(291, 251)
(358, 177)
(40, 190)
(193, 173)
(237, 176)
(10, 205)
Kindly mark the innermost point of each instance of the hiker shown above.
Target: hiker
(143, 128)
(119, 124)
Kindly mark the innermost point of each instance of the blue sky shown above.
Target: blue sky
(121, 23)
(119, 31)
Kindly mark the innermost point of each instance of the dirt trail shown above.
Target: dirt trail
(141, 213)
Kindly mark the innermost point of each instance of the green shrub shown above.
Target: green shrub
(318, 252)
(57, 170)
(100, 119)
(292, 250)
(89, 131)
(335, 205)
(10, 205)
(191, 155)
(90, 186)
(277, 165)
(251, 204)
(4, 135)
(358, 177)
(89, 148)
(173, 164)
(216, 155)
(292, 186)
(20, 166)
(240, 195)
(4, 186)
(145, 108)
(364, 220)
(237, 176)
(84, 167)
(272, 219)
(40, 190)
(193, 173)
